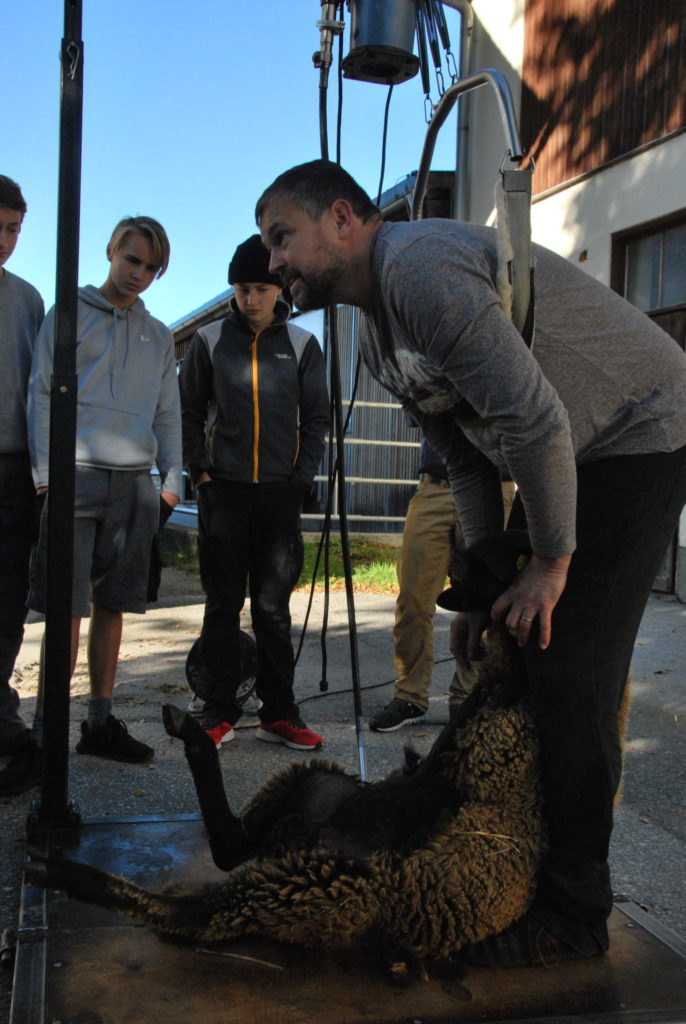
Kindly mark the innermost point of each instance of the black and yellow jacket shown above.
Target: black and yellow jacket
(255, 407)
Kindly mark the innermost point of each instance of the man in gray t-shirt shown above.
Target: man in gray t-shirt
(591, 426)
(21, 314)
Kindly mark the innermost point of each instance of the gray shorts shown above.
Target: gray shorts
(116, 517)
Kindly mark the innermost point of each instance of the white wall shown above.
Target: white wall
(498, 42)
(584, 216)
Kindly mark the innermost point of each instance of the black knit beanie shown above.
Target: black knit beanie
(251, 263)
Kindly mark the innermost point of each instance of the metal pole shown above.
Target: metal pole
(322, 60)
(345, 539)
(54, 809)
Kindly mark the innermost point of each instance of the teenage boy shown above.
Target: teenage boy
(21, 314)
(591, 426)
(255, 412)
(128, 419)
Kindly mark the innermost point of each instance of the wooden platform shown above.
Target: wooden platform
(78, 964)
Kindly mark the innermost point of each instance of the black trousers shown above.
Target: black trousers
(628, 509)
(17, 533)
(248, 535)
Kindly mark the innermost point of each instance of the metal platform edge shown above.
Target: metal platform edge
(28, 1002)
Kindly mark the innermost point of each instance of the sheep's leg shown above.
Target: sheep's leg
(309, 899)
(224, 831)
(181, 916)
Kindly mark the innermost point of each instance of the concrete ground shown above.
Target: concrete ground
(649, 843)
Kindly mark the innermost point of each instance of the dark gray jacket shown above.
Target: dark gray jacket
(255, 407)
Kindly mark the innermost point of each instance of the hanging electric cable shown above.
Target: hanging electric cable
(383, 145)
(328, 25)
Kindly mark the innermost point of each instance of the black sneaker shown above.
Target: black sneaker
(112, 740)
(23, 771)
(395, 715)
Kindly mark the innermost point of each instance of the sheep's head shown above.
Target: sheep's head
(479, 575)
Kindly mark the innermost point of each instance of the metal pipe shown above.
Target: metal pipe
(498, 82)
(63, 397)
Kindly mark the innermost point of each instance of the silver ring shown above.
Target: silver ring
(523, 618)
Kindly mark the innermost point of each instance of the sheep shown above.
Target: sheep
(442, 853)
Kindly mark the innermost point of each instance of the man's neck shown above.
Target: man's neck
(360, 286)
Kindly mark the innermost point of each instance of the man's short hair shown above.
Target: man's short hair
(313, 187)
(10, 195)
(150, 229)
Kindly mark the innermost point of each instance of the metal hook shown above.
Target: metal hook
(74, 52)
(428, 108)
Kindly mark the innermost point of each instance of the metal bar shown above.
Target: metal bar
(391, 481)
(371, 405)
(371, 441)
(498, 82)
(352, 515)
(57, 674)
(345, 545)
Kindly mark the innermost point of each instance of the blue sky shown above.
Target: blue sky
(190, 110)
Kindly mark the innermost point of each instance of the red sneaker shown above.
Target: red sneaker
(221, 733)
(293, 734)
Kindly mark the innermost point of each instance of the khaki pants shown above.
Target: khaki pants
(431, 531)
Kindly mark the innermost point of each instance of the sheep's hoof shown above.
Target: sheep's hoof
(406, 970)
(182, 726)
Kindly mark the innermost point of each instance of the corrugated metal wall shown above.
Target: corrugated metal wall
(600, 79)
(381, 450)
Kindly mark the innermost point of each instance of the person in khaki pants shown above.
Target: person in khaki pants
(432, 532)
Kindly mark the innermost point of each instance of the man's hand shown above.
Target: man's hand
(171, 499)
(534, 592)
(204, 478)
(466, 631)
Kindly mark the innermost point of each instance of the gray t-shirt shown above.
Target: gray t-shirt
(21, 314)
(602, 379)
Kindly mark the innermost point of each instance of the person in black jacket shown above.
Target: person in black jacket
(255, 413)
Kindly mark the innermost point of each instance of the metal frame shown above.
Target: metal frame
(498, 82)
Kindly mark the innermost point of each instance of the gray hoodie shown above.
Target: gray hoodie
(21, 313)
(128, 397)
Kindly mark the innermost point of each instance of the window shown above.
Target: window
(654, 267)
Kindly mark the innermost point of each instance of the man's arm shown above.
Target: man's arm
(38, 402)
(167, 430)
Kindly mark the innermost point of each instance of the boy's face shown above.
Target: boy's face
(256, 301)
(132, 270)
(10, 226)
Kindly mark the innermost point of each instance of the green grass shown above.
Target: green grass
(373, 564)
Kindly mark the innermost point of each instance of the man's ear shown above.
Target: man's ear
(343, 217)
